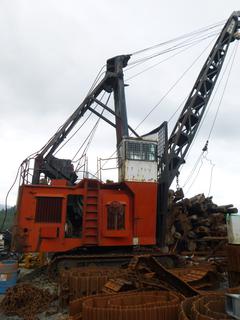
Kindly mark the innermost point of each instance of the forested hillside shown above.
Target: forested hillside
(9, 217)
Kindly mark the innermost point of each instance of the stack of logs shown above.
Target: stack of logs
(196, 224)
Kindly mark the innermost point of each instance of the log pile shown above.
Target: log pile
(196, 224)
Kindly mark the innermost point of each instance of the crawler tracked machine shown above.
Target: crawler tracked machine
(58, 213)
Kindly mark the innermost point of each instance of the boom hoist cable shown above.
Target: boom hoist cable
(173, 86)
(167, 93)
(175, 47)
(168, 58)
(183, 46)
(185, 40)
(155, 106)
(190, 34)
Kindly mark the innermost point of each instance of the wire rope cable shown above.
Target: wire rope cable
(164, 96)
(168, 58)
(91, 134)
(203, 29)
(183, 44)
(173, 86)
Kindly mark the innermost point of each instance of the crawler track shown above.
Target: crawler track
(152, 305)
(105, 260)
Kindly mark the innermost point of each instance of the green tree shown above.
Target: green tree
(9, 217)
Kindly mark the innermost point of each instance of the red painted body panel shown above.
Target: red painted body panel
(137, 198)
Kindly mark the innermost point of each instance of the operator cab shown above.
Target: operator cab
(138, 160)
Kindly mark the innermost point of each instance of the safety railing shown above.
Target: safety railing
(101, 165)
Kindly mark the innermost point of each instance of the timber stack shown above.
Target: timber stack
(197, 224)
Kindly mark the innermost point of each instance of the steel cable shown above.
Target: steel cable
(165, 95)
(203, 29)
(173, 86)
(92, 132)
(168, 58)
(175, 47)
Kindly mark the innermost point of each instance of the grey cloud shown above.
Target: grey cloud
(52, 50)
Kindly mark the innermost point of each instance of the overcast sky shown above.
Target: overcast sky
(51, 52)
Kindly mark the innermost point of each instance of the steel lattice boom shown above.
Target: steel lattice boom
(192, 113)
